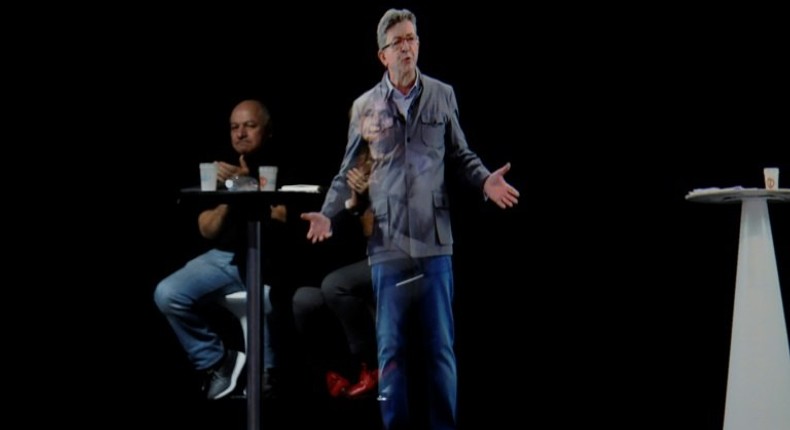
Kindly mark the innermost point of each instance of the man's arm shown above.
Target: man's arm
(468, 163)
(210, 221)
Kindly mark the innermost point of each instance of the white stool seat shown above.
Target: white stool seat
(236, 303)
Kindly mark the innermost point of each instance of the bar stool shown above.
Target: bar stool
(236, 303)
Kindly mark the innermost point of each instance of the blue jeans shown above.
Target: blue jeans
(204, 279)
(423, 289)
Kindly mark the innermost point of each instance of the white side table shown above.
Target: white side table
(758, 380)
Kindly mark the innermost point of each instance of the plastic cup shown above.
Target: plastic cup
(267, 178)
(208, 177)
(771, 178)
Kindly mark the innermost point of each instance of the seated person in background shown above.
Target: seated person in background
(346, 295)
(183, 295)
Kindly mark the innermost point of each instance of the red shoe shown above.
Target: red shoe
(368, 380)
(336, 384)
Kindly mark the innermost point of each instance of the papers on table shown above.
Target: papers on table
(301, 188)
(712, 190)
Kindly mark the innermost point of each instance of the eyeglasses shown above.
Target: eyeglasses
(410, 40)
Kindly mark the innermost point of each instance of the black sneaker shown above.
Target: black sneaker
(222, 381)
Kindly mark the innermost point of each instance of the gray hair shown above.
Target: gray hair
(390, 18)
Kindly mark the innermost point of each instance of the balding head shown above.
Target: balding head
(249, 126)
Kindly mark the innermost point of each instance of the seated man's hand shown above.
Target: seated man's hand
(227, 170)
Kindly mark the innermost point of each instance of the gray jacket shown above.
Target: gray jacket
(407, 188)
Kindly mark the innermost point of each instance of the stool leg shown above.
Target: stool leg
(268, 351)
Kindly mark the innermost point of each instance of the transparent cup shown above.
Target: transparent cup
(208, 177)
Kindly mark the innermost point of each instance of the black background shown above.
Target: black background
(602, 298)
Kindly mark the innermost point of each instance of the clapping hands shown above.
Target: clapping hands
(227, 170)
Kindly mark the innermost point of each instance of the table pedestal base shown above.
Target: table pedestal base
(758, 382)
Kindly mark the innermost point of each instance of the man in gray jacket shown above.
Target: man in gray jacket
(416, 130)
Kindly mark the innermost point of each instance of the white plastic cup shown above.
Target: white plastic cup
(267, 178)
(771, 178)
(208, 177)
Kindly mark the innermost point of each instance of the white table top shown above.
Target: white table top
(736, 194)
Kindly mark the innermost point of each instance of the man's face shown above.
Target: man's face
(401, 50)
(246, 128)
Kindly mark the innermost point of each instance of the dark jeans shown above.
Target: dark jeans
(414, 312)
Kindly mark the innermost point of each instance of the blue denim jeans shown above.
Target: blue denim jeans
(423, 289)
(203, 279)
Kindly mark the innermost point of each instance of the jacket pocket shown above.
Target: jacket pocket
(432, 127)
(381, 228)
(441, 214)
